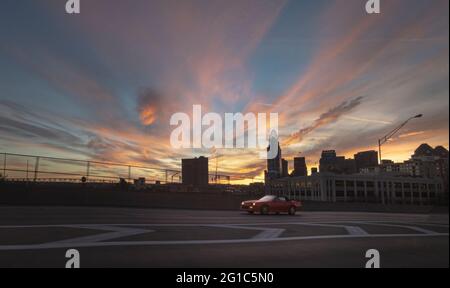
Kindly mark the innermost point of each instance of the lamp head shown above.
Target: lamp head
(418, 116)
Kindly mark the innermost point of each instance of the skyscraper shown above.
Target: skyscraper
(330, 162)
(284, 168)
(300, 168)
(366, 159)
(274, 165)
(195, 171)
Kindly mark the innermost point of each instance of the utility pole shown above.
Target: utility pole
(388, 136)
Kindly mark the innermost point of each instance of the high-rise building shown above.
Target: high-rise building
(330, 162)
(300, 168)
(366, 159)
(274, 165)
(429, 163)
(195, 171)
(349, 166)
(442, 166)
(284, 168)
(424, 150)
(423, 163)
(426, 162)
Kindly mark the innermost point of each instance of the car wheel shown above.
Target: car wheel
(292, 210)
(264, 210)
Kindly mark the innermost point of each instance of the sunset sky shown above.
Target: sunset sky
(103, 84)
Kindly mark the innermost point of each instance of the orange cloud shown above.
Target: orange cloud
(148, 115)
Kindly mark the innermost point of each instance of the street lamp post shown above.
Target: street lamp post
(388, 136)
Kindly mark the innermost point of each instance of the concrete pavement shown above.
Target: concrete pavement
(122, 237)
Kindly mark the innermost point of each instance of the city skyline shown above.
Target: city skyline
(83, 86)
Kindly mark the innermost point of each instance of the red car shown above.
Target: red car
(271, 204)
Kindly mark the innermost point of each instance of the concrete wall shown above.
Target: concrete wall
(115, 196)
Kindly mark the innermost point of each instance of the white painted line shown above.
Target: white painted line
(267, 233)
(354, 230)
(117, 232)
(203, 242)
(414, 228)
(431, 224)
(405, 222)
(94, 238)
(230, 225)
(322, 223)
(378, 223)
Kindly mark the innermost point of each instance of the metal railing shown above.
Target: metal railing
(22, 167)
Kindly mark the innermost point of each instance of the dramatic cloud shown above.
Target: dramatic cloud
(326, 118)
(148, 104)
(70, 85)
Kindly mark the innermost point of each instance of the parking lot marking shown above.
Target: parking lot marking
(117, 232)
(414, 228)
(266, 233)
(204, 242)
(354, 230)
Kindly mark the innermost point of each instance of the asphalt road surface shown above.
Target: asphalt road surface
(119, 237)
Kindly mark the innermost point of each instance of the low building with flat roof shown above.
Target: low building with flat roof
(382, 188)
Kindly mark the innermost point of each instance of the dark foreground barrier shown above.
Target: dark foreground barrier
(114, 195)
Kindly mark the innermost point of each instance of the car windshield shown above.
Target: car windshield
(267, 198)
